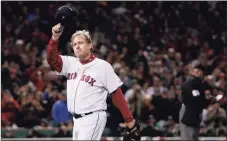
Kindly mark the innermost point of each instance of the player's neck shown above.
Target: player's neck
(88, 59)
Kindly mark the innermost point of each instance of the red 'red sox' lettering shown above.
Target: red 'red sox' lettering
(82, 77)
(92, 82)
(75, 75)
(85, 78)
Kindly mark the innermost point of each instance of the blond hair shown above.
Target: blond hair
(85, 33)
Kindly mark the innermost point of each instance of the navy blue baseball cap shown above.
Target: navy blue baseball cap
(65, 14)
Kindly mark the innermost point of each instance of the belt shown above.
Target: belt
(82, 115)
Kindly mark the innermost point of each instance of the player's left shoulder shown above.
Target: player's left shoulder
(103, 63)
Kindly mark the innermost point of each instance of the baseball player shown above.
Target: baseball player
(89, 81)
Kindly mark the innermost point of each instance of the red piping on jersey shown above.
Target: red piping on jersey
(53, 57)
(120, 102)
(91, 58)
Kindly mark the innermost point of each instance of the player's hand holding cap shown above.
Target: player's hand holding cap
(64, 15)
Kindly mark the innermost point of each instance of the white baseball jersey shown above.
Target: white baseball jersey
(88, 84)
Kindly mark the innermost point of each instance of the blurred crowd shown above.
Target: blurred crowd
(151, 46)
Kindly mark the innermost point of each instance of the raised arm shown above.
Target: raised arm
(53, 57)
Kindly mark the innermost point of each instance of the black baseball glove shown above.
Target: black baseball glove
(132, 134)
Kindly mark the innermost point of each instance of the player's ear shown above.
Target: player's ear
(71, 44)
(91, 47)
(71, 47)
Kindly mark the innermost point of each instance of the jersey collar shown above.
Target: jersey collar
(91, 58)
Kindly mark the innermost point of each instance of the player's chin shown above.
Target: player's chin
(79, 55)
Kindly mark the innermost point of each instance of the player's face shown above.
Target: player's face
(81, 46)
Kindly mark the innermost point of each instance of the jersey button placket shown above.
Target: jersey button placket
(77, 89)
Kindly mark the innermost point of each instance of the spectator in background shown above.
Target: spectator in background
(150, 129)
(10, 73)
(63, 130)
(60, 112)
(31, 111)
(43, 125)
(157, 88)
(135, 102)
(216, 117)
(8, 134)
(130, 92)
(10, 108)
(173, 129)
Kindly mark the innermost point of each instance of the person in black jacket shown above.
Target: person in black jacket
(194, 101)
